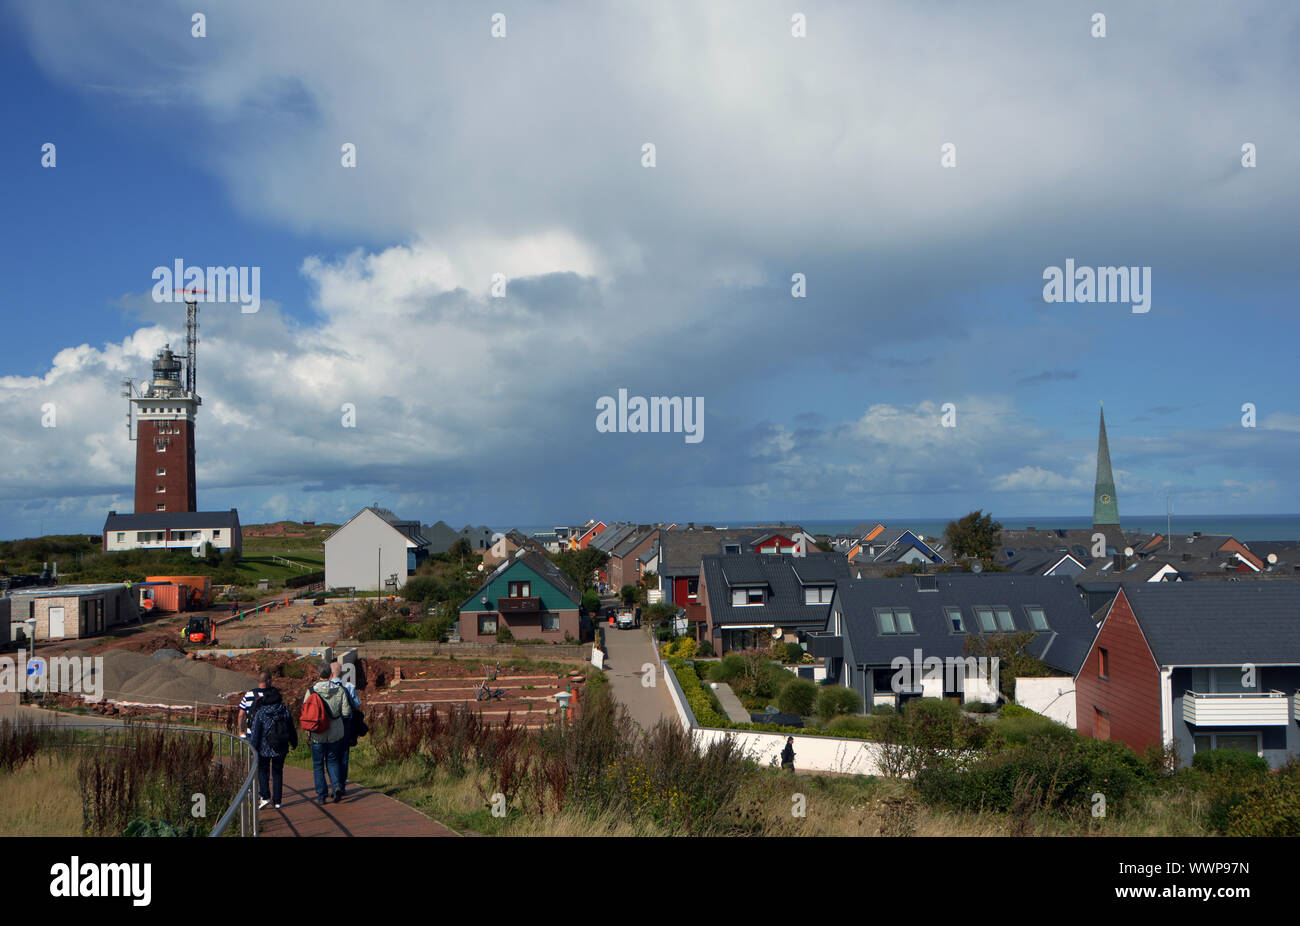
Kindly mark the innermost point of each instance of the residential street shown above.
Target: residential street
(628, 652)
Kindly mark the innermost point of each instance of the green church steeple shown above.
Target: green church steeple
(1105, 508)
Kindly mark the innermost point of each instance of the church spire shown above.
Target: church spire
(1105, 509)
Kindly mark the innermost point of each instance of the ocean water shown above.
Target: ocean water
(1242, 527)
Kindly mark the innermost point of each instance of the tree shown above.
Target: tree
(977, 534)
(580, 565)
(1013, 661)
(460, 551)
(628, 594)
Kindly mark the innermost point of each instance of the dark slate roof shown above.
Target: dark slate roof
(441, 536)
(171, 520)
(540, 565)
(1139, 570)
(681, 550)
(1064, 647)
(1262, 548)
(612, 536)
(631, 541)
(777, 571)
(1218, 623)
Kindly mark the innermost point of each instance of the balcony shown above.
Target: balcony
(519, 605)
(823, 644)
(1267, 708)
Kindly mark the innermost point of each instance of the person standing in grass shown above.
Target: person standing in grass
(326, 746)
(272, 736)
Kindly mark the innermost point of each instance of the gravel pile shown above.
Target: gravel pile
(140, 679)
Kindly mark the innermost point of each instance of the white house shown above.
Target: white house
(374, 551)
(181, 531)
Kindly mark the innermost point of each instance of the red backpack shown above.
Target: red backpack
(315, 714)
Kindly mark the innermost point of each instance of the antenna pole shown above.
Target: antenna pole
(191, 343)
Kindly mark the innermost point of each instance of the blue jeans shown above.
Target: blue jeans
(343, 764)
(325, 758)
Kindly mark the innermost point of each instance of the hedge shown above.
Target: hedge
(700, 700)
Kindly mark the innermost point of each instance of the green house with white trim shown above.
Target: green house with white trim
(527, 595)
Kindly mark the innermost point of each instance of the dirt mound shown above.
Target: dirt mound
(137, 678)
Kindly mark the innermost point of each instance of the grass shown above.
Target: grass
(42, 798)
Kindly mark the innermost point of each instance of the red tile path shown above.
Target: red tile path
(362, 813)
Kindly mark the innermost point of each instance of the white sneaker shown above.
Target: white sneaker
(262, 802)
(277, 806)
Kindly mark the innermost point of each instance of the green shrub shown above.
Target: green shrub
(1269, 805)
(793, 652)
(703, 702)
(504, 635)
(979, 707)
(848, 725)
(1228, 762)
(834, 700)
(1053, 773)
(883, 710)
(729, 667)
(705, 648)
(1017, 729)
(1018, 710)
(797, 697)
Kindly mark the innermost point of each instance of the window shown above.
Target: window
(1244, 742)
(487, 624)
(895, 620)
(985, 617)
(954, 618)
(161, 507)
(162, 471)
(216, 533)
(121, 536)
(161, 488)
(741, 597)
(731, 548)
(550, 621)
(818, 594)
(519, 589)
(692, 588)
(1103, 663)
(1004, 619)
(1037, 617)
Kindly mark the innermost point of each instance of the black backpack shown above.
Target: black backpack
(280, 731)
(357, 726)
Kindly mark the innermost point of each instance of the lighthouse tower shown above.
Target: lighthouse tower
(164, 451)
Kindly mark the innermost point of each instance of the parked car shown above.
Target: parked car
(625, 619)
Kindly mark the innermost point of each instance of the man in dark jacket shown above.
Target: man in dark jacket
(274, 734)
(787, 754)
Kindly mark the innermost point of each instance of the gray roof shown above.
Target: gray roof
(68, 591)
(780, 574)
(1218, 623)
(1063, 647)
(441, 536)
(171, 520)
(632, 541)
(681, 550)
(611, 536)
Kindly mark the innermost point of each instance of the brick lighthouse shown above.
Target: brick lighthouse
(164, 449)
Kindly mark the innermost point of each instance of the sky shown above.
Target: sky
(523, 156)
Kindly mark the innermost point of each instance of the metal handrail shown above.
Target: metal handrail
(244, 802)
(1273, 693)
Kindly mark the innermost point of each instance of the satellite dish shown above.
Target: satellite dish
(977, 566)
(480, 567)
(1128, 551)
(1272, 559)
(777, 633)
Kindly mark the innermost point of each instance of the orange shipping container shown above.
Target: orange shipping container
(166, 598)
(200, 587)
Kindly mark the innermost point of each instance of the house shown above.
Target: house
(440, 536)
(750, 598)
(582, 538)
(507, 545)
(173, 530)
(681, 550)
(1204, 665)
(374, 551)
(874, 623)
(527, 595)
(71, 612)
(480, 539)
(625, 556)
(895, 547)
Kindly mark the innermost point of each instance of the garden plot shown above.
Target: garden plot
(283, 626)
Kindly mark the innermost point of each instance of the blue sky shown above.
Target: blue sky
(775, 155)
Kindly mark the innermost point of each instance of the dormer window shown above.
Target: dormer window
(818, 594)
(743, 597)
(731, 548)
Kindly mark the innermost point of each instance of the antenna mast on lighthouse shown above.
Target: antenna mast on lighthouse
(191, 336)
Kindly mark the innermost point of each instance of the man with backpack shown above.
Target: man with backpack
(272, 736)
(326, 709)
(356, 726)
(249, 704)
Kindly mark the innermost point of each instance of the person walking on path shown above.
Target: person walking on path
(249, 704)
(326, 746)
(787, 754)
(349, 737)
(272, 736)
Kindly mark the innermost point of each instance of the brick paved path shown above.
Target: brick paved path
(362, 813)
